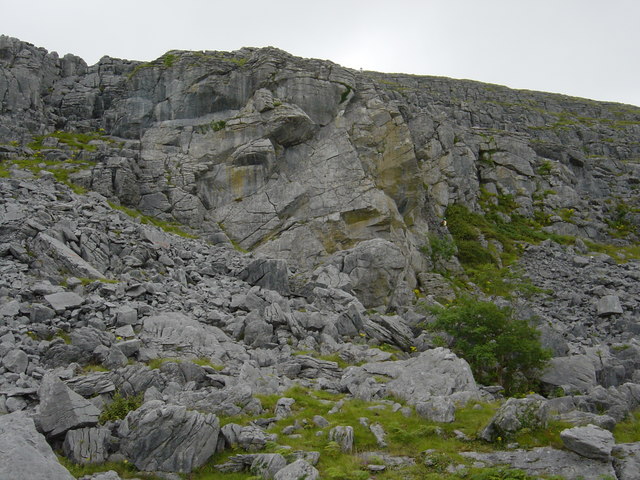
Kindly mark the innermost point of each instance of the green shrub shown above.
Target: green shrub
(218, 125)
(499, 348)
(120, 406)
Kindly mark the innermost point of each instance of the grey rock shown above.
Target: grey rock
(581, 419)
(437, 409)
(64, 300)
(126, 315)
(129, 348)
(590, 442)
(626, 461)
(86, 445)
(114, 358)
(320, 421)
(374, 267)
(575, 373)
(343, 436)
(267, 465)
(516, 414)
(61, 409)
(24, 453)
(168, 438)
(298, 470)
(93, 384)
(57, 255)
(609, 305)
(272, 274)
(15, 361)
(437, 372)
(378, 432)
(110, 475)
(547, 461)
(283, 407)
(252, 439)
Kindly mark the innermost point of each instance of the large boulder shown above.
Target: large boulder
(25, 453)
(87, 445)
(375, 268)
(435, 372)
(572, 374)
(547, 461)
(516, 414)
(590, 442)
(298, 470)
(61, 409)
(272, 274)
(168, 438)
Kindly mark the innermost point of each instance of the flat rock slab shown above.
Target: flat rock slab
(62, 409)
(547, 461)
(590, 442)
(24, 452)
(64, 300)
(64, 258)
(609, 305)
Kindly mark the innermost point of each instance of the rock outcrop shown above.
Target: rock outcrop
(251, 235)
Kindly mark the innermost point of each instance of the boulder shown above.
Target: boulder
(609, 305)
(590, 442)
(86, 445)
(573, 374)
(266, 465)
(298, 470)
(516, 414)
(25, 453)
(57, 256)
(626, 460)
(374, 267)
(62, 301)
(437, 372)
(437, 409)
(283, 407)
(15, 361)
(61, 409)
(343, 436)
(548, 462)
(272, 274)
(168, 438)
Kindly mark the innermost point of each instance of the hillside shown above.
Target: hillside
(233, 264)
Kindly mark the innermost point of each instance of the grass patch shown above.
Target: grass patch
(169, 227)
(628, 431)
(120, 406)
(75, 140)
(156, 363)
(488, 244)
(124, 469)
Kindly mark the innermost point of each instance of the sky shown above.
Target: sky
(583, 48)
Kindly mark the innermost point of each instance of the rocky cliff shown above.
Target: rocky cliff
(202, 233)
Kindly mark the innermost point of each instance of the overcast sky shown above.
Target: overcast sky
(585, 48)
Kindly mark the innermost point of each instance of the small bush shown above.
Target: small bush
(499, 348)
(218, 125)
(120, 406)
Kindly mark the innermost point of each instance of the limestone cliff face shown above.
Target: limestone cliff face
(306, 160)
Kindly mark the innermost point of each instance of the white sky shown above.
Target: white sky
(584, 48)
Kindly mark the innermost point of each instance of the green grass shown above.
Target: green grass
(169, 227)
(628, 431)
(120, 406)
(487, 265)
(124, 469)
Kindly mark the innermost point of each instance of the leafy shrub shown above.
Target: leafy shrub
(120, 406)
(499, 348)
